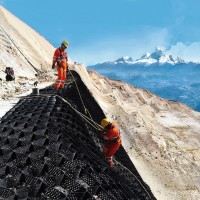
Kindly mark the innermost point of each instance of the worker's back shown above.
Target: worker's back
(9, 74)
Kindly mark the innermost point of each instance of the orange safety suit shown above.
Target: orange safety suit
(60, 57)
(113, 142)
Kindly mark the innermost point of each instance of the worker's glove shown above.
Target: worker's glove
(53, 66)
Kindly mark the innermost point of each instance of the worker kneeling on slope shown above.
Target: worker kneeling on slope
(60, 61)
(111, 134)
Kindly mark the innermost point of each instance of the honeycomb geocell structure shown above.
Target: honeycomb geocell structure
(48, 151)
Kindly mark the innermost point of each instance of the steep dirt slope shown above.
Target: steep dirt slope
(161, 137)
(16, 36)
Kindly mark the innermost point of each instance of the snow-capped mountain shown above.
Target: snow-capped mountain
(157, 57)
(125, 59)
(122, 60)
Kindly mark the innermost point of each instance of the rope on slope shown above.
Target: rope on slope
(90, 121)
(134, 177)
(20, 50)
(86, 110)
(87, 119)
(92, 152)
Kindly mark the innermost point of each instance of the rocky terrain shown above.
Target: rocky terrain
(161, 137)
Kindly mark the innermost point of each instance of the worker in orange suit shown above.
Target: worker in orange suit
(111, 135)
(60, 62)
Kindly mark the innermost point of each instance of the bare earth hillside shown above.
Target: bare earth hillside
(161, 137)
(19, 41)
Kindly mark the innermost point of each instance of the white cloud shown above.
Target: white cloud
(188, 52)
(128, 45)
(135, 46)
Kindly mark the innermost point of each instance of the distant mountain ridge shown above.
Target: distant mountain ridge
(164, 75)
(157, 57)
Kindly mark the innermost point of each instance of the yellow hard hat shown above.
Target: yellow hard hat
(105, 122)
(65, 43)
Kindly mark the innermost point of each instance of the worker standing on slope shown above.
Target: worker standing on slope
(60, 61)
(111, 134)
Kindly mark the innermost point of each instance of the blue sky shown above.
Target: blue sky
(101, 30)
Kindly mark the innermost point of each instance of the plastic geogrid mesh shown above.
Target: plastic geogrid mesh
(48, 152)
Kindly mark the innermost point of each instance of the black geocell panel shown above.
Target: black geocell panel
(47, 151)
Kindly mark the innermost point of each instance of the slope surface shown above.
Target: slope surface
(49, 152)
(29, 50)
